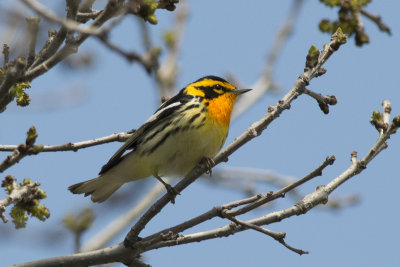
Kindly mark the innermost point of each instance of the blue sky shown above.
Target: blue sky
(224, 37)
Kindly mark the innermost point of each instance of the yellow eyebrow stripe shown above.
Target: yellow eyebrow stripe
(191, 90)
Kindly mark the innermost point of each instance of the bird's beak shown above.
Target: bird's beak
(240, 91)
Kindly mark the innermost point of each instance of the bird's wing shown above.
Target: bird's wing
(162, 113)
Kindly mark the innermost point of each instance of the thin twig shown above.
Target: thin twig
(281, 193)
(33, 29)
(29, 148)
(242, 179)
(120, 137)
(69, 24)
(56, 38)
(387, 108)
(88, 15)
(377, 20)
(112, 7)
(323, 101)
(12, 75)
(278, 236)
(6, 54)
(18, 194)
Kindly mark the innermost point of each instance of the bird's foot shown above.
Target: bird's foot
(208, 163)
(172, 192)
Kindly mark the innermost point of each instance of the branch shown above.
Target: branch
(243, 179)
(120, 137)
(69, 24)
(33, 29)
(56, 38)
(278, 236)
(26, 198)
(13, 73)
(112, 7)
(323, 101)
(22, 150)
(377, 20)
(6, 55)
(281, 193)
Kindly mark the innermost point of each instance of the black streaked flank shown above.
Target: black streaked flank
(194, 117)
(175, 131)
(162, 141)
(162, 128)
(192, 106)
(199, 126)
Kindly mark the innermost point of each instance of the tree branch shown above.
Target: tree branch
(12, 75)
(377, 20)
(112, 7)
(119, 137)
(22, 150)
(278, 236)
(67, 23)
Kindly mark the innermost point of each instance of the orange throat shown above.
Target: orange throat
(220, 108)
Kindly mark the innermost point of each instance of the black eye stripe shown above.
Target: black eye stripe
(210, 91)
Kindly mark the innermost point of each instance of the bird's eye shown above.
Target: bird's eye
(218, 87)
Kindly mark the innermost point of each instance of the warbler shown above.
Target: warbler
(190, 127)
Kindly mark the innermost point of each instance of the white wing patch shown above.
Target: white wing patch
(155, 115)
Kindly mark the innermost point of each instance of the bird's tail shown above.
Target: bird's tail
(100, 188)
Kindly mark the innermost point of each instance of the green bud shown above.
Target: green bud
(325, 26)
(19, 217)
(376, 116)
(18, 91)
(26, 181)
(312, 57)
(152, 19)
(31, 136)
(340, 36)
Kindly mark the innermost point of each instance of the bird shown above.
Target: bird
(189, 128)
